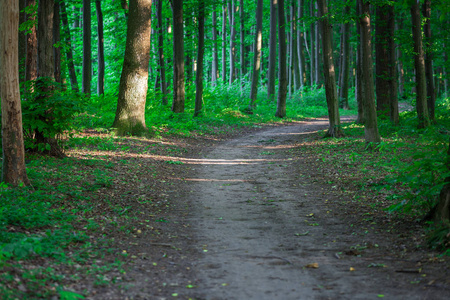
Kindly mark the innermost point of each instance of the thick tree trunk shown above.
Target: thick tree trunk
(232, 17)
(330, 77)
(272, 50)
(200, 53)
(130, 113)
(178, 57)
(161, 59)
(100, 51)
(257, 54)
(282, 49)
(431, 92)
(419, 62)
(13, 162)
(215, 61)
(370, 115)
(382, 69)
(87, 55)
(69, 53)
(224, 38)
(45, 61)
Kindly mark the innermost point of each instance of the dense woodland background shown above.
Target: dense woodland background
(199, 67)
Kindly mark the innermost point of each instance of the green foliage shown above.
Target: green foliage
(48, 113)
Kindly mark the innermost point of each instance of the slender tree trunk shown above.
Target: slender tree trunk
(431, 92)
(161, 58)
(272, 50)
(242, 40)
(13, 162)
(87, 52)
(282, 49)
(312, 46)
(382, 69)
(393, 85)
(290, 50)
(100, 51)
(69, 53)
(130, 113)
(22, 41)
(294, 53)
(330, 77)
(224, 38)
(400, 70)
(301, 54)
(317, 54)
(56, 39)
(370, 115)
(200, 52)
(232, 16)
(359, 90)
(419, 62)
(345, 65)
(215, 61)
(45, 61)
(31, 56)
(257, 54)
(178, 53)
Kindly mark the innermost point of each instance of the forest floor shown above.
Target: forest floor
(252, 214)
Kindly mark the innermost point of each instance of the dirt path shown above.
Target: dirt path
(266, 232)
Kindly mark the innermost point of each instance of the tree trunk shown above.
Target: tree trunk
(161, 59)
(45, 61)
(294, 53)
(359, 90)
(31, 58)
(383, 92)
(419, 62)
(370, 115)
(300, 37)
(317, 52)
(242, 40)
(69, 53)
(87, 59)
(215, 61)
(441, 212)
(393, 84)
(56, 39)
(232, 16)
(200, 52)
(178, 57)
(400, 71)
(130, 113)
(100, 51)
(272, 50)
(257, 54)
(13, 163)
(282, 78)
(312, 50)
(345, 62)
(224, 38)
(431, 92)
(330, 77)
(22, 41)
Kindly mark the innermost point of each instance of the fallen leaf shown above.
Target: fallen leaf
(312, 266)
(352, 269)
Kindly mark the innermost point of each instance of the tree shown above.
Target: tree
(334, 129)
(69, 52)
(272, 49)
(56, 39)
(224, 38)
(431, 93)
(215, 60)
(419, 62)
(282, 78)
(300, 37)
(257, 54)
(161, 59)
(178, 57)
(13, 166)
(359, 90)
(130, 114)
(345, 61)
(200, 54)
(242, 39)
(31, 56)
(87, 59)
(441, 211)
(100, 49)
(232, 16)
(370, 115)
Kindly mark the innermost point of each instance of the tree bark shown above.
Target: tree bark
(441, 212)
(87, 58)
(419, 62)
(69, 50)
(101, 49)
(312, 46)
(13, 162)
(345, 62)
(300, 46)
(393, 84)
(272, 50)
(257, 54)
(22, 41)
(31, 56)
(161, 58)
(224, 38)
(330, 76)
(130, 113)
(178, 57)
(359, 90)
(382, 51)
(282, 49)
(242, 40)
(400, 70)
(215, 61)
(200, 53)
(370, 115)
(56, 39)
(431, 92)
(317, 52)
(232, 17)
(45, 61)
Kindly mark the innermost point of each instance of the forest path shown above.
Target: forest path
(266, 231)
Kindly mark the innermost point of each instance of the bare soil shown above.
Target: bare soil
(247, 217)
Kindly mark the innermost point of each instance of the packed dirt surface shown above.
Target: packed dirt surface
(265, 231)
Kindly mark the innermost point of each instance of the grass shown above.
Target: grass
(62, 229)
